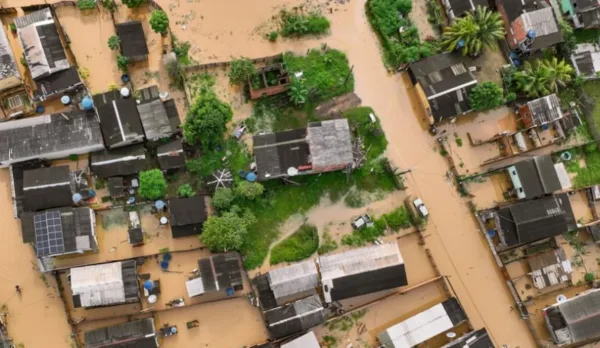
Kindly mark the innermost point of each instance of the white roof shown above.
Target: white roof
(563, 176)
(308, 340)
(359, 261)
(294, 279)
(98, 285)
(194, 287)
(417, 329)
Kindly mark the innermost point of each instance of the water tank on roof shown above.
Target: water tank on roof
(148, 285)
(531, 34)
(65, 99)
(87, 104)
(251, 177)
(292, 171)
(77, 198)
(125, 92)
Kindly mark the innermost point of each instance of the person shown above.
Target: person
(18, 288)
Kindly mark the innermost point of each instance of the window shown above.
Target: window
(14, 102)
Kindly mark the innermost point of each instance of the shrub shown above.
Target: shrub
(109, 5)
(589, 277)
(486, 95)
(13, 27)
(398, 219)
(327, 245)
(206, 121)
(114, 42)
(222, 198)
(249, 190)
(298, 91)
(133, 3)
(86, 4)
(159, 22)
(152, 184)
(185, 190)
(241, 70)
(122, 63)
(226, 232)
(296, 25)
(175, 71)
(299, 246)
(272, 36)
(404, 6)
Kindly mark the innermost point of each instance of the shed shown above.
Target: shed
(120, 123)
(119, 162)
(294, 281)
(133, 334)
(541, 111)
(116, 186)
(549, 268)
(50, 187)
(534, 177)
(217, 273)
(133, 40)
(171, 155)
(105, 284)
(473, 339)
(308, 340)
(362, 271)
(187, 216)
(155, 120)
(295, 317)
(57, 84)
(586, 60)
(576, 319)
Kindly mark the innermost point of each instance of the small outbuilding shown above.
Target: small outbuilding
(133, 40)
(133, 334)
(473, 339)
(541, 111)
(586, 60)
(120, 123)
(45, 188)
(119, 162)
(295, 317)
(574, 320)
(534, 177)
(156, 115)
(187, 216)
(171, 155)
(220, 272)
(286, 284)
(549, 268)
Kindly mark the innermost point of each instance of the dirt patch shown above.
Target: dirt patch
(335, 107)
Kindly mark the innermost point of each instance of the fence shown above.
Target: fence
(200, 67)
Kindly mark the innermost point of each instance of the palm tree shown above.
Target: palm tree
(298, 91)
(472, 33)
(561, 71)
(543, 77)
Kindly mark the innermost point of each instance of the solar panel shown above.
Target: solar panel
(48, 233)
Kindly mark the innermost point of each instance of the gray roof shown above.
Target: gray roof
(133, 40)
(171, 155)
(441, 74)
(584, 63)
(120, 123)
(545, 109)
(295, 317)
(294, 279)
(155, 120)
(119, 162)
(537, 176)
(330, 144)
(8, 64)
(105, 284)
(582, 315)
(458, 8)
(50, 187)
(133, 334)
(49, 136)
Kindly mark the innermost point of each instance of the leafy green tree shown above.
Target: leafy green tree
(86, 4)
(207, 121)
(404, 6)
(249, 190)
(185, 190)
(159, 22)
(109, 5)
(226, 232)
(486, 95)
(114, 42)
(222, 198)
(134, 3)
(298, 91)
(566, 47)
(589, 277)
(241, 70)
(477, 30)
(122, 62)
(543, 77)
(272, 36)
(152, 184)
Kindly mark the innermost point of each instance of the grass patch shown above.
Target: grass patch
(373, 137)
(300, 24)
(587, 35)
(398, 219)
(592, 89)
(200, 84)
(299, 246)
(327, 244)
(233, 152)
(590, 175)
(268, 115)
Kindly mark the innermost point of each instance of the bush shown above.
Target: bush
(175, 71)
(152, 184)
(404, 6)
(398, 219)
(226, 232)
(327, 245)
(133, 3)
(13, 27)
(109, 5)
(249, 190)
(185, 190)
(589, 277)
(159, 22)
(114, 42)
(241, 70)
(86, 4)
(272, 36)
(296, 25)
(299, 246)
(222, 198)
(122, 63)
(486, 95)
(298, 91)
(371, 133)
(206, 121)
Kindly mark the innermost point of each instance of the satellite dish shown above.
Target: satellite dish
(450, 334)
(292, 171)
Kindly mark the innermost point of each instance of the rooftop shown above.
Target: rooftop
(586, 59)
(534, 177)
(544, 110)
(120, 123)
(49, 136)
(119, 162)
(171, 155)
(155, 120)
(187, 215)
(458, 8)
(330, 144)
(474, 339)
(133, 334)
(529, 16)
(45, 188)
(295, 317)
(293, 279)
(217, 273)
(59, 82)
(105, 284)
(8, 64)
(308, 340)
(133, 40)
(577, 318)
(549, 268)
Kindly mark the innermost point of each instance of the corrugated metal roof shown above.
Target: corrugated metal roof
(105, 284)
(582, 314)
(294, 279)
(308, 340)
(330, 143)
(359, 260)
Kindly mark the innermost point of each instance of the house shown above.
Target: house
(171, 155)
(60, 231)
(57, 84)
(530, 221)
(133, 40)
(49, 137)
(5, 340)
(583, 13)
(137, 333)
(220, 272)
(549, 268)
(321, 147)
(10, 77)
(530, 25)
(574, 320)
(473, 339)
(423, 326)
(308, 340)
(458, 8)
(157, 121)
(120, 122)
(443, 83)
(534, 177)
(362, 271)
(541, 111)
(106, 284)
(124, 161)
(50, 187)
(295, 317)
(586, 60)
(135, 235)
(187, 216)
(286, 284)
(16, 173)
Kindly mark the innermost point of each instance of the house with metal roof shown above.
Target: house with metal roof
(586, 60)
(423, 326)
(60, 231)
(530, 221)
(473, 339)
(541, 111)
(362, 271)
(171, 155)
(51, 187)
(321, 147)
(574, 320)
(187, 215)
(49, 137)
(549, 268)
(158, 121)
(132, 334)
(295, 317)
(220, 272)
(530, 25)
(534, 177)
(583, 13)
(5, 340)
(286, 284)
(308, 340)
(459, 8)
(120, 123)
(10, 77)
(106, 284)
(443, 83)
(133, 40)
(123, 161)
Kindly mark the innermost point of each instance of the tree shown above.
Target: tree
(222, 198)
(298, 91)
(185, 190)
(86, 4)
(241, 70)
(159, 22)
(122, 62)
(133, 3)
(207, 121)
(226, 232)
(114, 42)
(475, 31)
(152, 184)
(249, 190)
(109, 5)
(486, 95)
(404, 6)
(566, 47)
(543, 77)
(589, 277)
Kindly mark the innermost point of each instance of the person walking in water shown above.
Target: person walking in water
(18, 288)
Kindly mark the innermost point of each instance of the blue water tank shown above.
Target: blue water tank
(87, 103)
(77, 198)
(65, 99)
(531, 34)
(164, 264)
(251, 177)
(167, 257)
(40, 109)
(148, 285)
(229, 291)
(159, 204)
